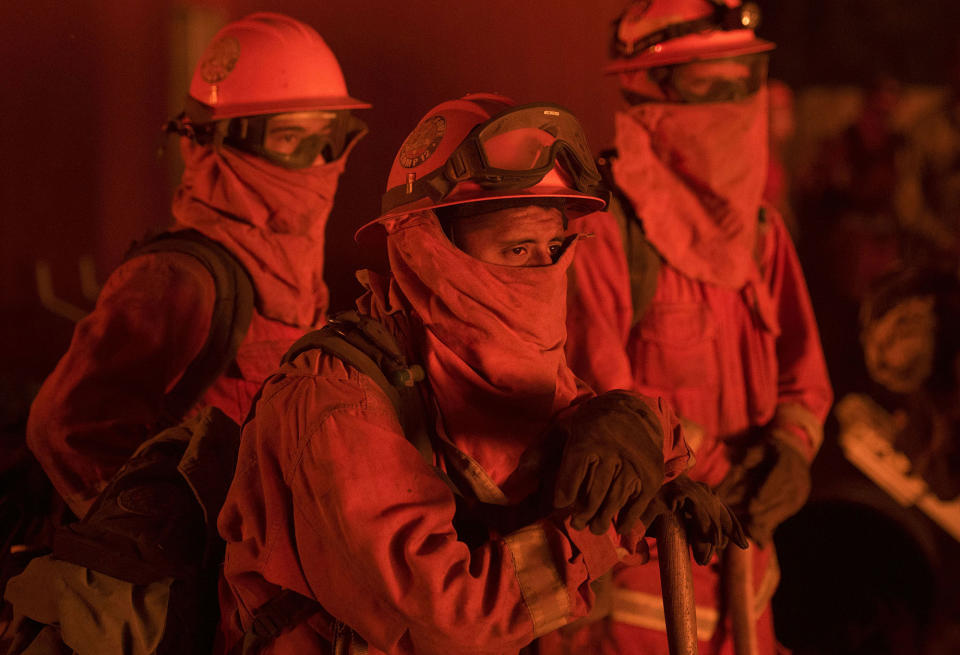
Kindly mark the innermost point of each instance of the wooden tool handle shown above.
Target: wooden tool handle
(738, 580)
(676, 583)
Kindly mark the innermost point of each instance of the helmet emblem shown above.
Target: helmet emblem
(219, 60)
(422, 142)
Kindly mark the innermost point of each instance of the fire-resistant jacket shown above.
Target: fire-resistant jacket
(153, 315)
(729, 361)
(708, 350)
(331, 501)
(106, 393)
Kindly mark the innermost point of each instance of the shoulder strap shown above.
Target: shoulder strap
(281, 613)
(232, 312)
(643, 261)
(366, 345)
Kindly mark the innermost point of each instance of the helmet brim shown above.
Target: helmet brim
(697, 48)
(287, 106)
(577, 204)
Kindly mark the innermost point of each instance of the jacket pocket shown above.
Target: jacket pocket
(675, 348)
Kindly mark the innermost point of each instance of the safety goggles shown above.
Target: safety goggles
(731, 79)
(297, 139)
(513, 150)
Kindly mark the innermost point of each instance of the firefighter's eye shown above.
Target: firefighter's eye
(283, 140)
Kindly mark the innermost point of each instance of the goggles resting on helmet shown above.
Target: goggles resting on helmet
(512, 150)
(725, 18)
(730, 79)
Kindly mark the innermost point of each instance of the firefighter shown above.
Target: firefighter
(265, 136)
(488, 532)
(691, 290)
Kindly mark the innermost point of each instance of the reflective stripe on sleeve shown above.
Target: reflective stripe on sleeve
(543, 592)
(798, 417)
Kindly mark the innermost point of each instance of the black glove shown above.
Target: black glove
(612, 461)
(710, 525)
(768, 483)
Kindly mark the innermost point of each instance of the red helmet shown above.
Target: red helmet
(485, 147)
(268, 63)
(652, 33)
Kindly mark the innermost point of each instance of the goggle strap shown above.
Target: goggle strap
(468, 163)
(183, 125)
(464, 161)
(434, 185)
(724, 18)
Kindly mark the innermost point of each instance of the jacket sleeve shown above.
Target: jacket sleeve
(599, 306)
(374, 537)
(804, 393)
(91, 413)
(677, 456)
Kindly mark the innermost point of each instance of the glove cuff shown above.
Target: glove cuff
(599, 552)
(798, 428)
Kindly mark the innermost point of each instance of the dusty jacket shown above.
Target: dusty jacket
(153, 317)
(332, 501)
(704, 348)
(729, 338)
(723, 364)
(106, 393)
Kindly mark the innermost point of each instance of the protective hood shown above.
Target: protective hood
(270, 218)
(491, 341)
(695, 175)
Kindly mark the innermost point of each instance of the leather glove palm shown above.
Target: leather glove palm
(612, 461)
(768, 483)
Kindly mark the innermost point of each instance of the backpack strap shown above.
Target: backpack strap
(232, 312)
(365, 344)
(643, 261)
(279, 614)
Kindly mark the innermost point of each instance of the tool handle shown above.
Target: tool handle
(676, 583)
(738, 579)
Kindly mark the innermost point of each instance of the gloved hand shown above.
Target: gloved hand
(768, 483)
(612, 461)
(710, 525)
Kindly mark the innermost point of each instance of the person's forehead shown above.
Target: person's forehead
(301, 117)
(513, 221)
(717, 68)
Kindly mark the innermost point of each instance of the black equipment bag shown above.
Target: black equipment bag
(157, 516)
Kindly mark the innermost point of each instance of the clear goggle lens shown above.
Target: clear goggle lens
(713, 80)
(301, 136)
(295, 139)
(528, 139)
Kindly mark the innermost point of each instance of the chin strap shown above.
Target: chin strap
(183, 125)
